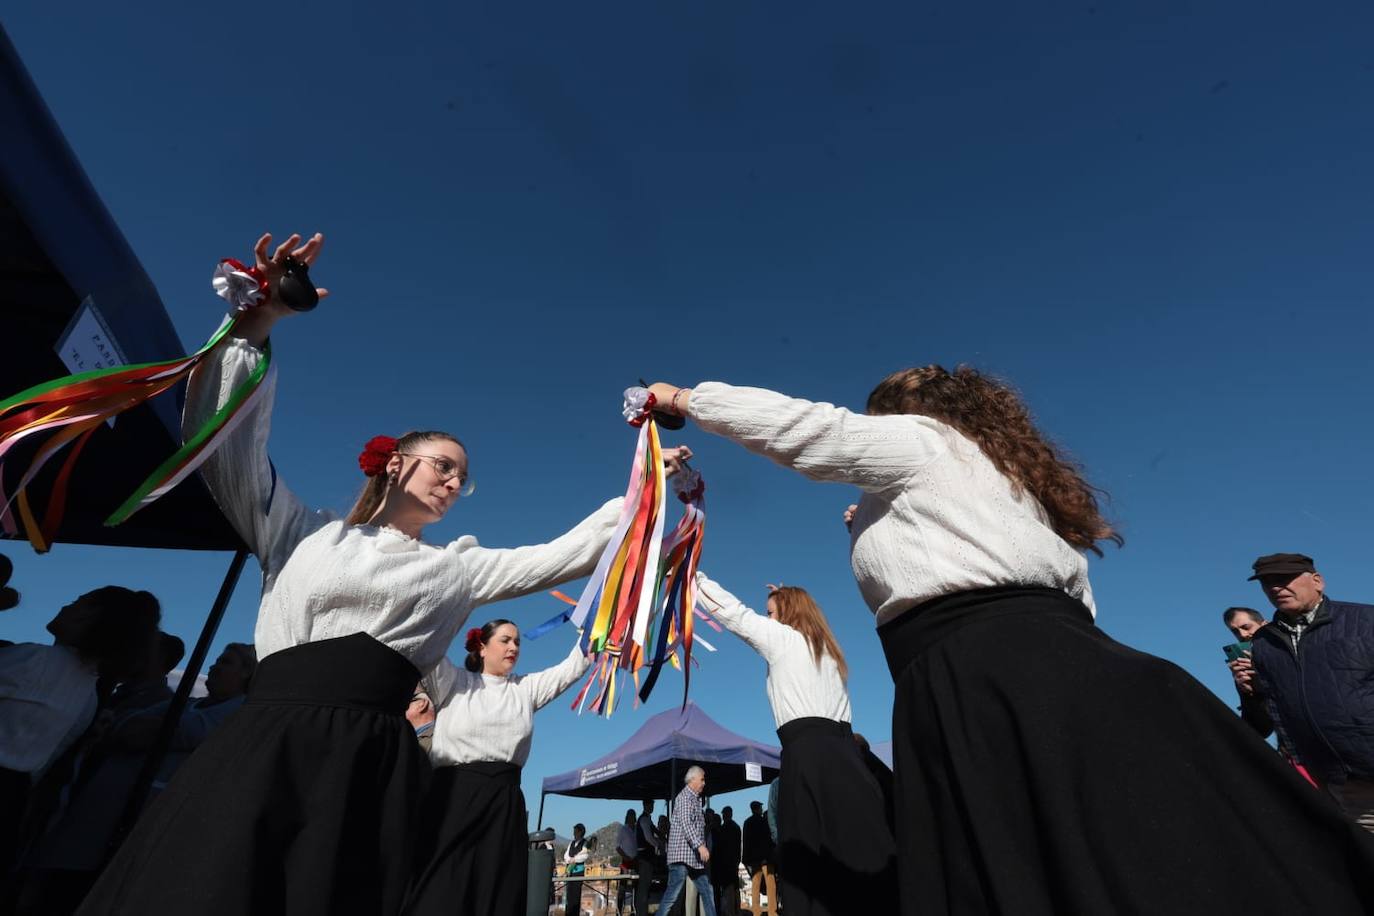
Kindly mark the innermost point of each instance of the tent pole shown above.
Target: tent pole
(153, 762)
(671, 794)
(539, 825)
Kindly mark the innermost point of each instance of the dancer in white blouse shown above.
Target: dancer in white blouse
(1040, 767)
(834, 851)
(305, 801)
(473, 835)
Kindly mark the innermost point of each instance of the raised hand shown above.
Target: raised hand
(274, 267)
(674, 459)
(256, 325)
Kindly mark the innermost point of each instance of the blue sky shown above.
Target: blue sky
(1156, 219)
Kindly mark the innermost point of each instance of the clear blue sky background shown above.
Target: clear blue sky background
(1155, 218)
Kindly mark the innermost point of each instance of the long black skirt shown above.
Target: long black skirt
(303, 802)
(1043, 769)
(473, 843)
(835, 851)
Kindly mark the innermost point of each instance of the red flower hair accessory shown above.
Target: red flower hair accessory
(474, 641)
(375, 454)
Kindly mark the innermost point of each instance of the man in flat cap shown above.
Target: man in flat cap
(1314, 665)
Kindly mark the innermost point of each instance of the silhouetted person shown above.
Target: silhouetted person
(725, 857)
(758, 841)
(48, 693)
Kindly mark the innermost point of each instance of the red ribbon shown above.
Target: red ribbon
(646, 412)
(251, 271)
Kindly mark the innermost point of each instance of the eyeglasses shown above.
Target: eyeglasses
(446, 471)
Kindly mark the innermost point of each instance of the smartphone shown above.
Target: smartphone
(1236, 650)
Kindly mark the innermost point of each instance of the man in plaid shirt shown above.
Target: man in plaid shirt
(687, 852)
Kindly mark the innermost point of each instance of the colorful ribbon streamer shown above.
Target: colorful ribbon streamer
(637, 609)
(68, 410)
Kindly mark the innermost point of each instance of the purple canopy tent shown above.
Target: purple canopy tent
(649, 763)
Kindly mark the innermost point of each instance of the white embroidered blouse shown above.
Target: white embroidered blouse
(798, 686)
(323, 578)
(488, 717)
(936, 516)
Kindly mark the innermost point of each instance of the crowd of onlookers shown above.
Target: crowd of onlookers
(78, 719)
(653, 849)
(1305, 677)
(79, 716)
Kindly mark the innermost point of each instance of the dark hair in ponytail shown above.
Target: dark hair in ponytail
(477, 638)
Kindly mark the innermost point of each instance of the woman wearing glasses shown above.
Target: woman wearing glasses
(306, 800)
(473, 846)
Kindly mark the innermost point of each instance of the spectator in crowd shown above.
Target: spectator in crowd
(627, 847)
(48, 693)
(661, 856)
(1313, 663)
(226, 686)
(67, 861)
(649, 840)
(725, 853)
(687, 852)
(149, 685)
(1242, 622)
(420, 714)
(758, 841)
(575, 866)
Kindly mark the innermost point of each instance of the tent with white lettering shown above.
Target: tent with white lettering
(652, 761)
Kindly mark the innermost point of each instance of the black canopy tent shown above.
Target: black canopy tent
(61, 254)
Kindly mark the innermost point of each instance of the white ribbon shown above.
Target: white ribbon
(239, 288)
(636, 399)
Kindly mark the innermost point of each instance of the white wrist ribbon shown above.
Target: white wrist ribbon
(240, 288)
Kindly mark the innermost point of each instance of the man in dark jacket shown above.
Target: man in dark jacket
(725, 857)
(1313, 664)
(758, 842)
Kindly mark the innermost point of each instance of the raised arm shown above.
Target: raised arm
(269, 518)
(543, 687)
(499, 574)
(764, 635)
(822, 441)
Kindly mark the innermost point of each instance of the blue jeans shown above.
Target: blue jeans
(678, 875)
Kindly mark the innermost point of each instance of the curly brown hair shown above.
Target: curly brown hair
(991, 413)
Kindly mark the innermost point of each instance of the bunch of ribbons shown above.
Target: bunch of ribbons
(637, 610)
(66, 412)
